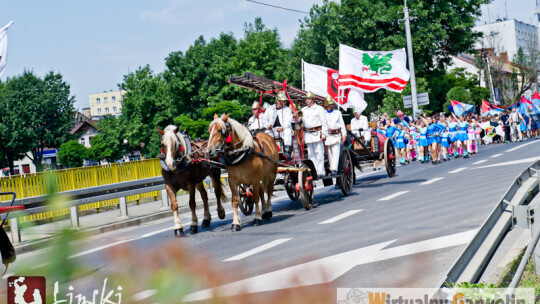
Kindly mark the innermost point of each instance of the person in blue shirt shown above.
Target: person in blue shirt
(462, 136)
(433, 130)
(400, 143)
(445, 144)
(422, 142)
(452, 129)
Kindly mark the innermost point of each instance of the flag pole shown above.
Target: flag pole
(303, 83)
(411, 60)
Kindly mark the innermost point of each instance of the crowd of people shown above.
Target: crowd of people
(435, 138)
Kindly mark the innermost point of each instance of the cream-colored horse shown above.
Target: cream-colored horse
(188, 177)
(227, 135)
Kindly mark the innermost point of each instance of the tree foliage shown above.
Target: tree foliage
(458, 94)
(35, 113)
(109, 144)
(72, 154)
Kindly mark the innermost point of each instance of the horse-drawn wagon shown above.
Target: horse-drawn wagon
(299, 172)
(379, 148)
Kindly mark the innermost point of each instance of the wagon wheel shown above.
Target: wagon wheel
(290, 185)
(390, 157)
(347, 172)
(245, 202)
(305, 187)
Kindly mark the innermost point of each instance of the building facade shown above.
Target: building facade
(106, 103)
(507, 36)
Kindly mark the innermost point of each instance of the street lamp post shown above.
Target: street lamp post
(125, 145)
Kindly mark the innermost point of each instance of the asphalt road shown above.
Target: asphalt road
(400, 232)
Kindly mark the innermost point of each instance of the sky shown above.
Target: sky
(93, 44)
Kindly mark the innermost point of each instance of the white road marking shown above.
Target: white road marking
(257, 250)
(496, 155)
(155, 232)
(458, 170)
(521, 146)
(143, 295)
(431, 181)
(101, 248)
(391, 196)
(330, 268)
(480, 162)
(341, 216)
(514, 162)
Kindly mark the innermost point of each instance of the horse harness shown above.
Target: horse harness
(182, 162)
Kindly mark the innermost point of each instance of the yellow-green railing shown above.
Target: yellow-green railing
(36, 184)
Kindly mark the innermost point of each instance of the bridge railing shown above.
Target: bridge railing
(43, 183)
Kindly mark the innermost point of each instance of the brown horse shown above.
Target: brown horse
(232, 141)
(181, 171)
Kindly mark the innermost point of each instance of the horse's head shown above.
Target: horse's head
(219, 131)
(171, 145)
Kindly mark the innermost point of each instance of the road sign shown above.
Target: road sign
(423, 99)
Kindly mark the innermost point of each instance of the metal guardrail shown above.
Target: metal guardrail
(476, 256)
(37, 204)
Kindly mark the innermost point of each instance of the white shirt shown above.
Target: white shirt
(334, 121)
(255, 123)
(515, 116)
(361, 123)
(284, 114)
(314, 116)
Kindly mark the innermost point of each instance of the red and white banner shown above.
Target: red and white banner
(3, 47)
(370, 71)
(324, 82)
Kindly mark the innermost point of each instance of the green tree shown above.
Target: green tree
(109, 144)
(54, 119)
(72, 154)
(147, 105)
(18, 105)
(36, 113)
(392, 101)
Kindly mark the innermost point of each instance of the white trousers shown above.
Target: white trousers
(333, 156)
(516, 131)
(286, 135)
(316, 155)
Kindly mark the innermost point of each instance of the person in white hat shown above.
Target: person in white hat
(336, 134)
(360, 122)
(278, 119)
(256, 122)
(315, 132)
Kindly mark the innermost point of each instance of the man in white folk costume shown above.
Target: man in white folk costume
(315, 132)
(278, 119)
(336, 133)
(256, 122)
(360, 122)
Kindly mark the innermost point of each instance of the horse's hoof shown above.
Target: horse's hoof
(221, 214)
(267, 215)
(257, 222)
(206, 223)
(193, 229)
(179, 232)
(236, 227)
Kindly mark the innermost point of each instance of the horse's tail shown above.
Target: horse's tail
(215, 175)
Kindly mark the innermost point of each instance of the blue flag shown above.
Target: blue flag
(461, 108)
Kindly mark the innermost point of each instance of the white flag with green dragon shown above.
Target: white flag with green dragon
(370, 71)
